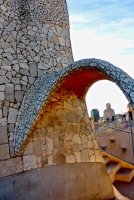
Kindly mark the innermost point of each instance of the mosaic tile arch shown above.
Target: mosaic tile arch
(85, 71)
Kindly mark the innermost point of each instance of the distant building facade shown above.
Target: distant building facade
(109, 113)
(95, 114)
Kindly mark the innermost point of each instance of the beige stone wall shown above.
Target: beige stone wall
(34, 40)
(62, 135)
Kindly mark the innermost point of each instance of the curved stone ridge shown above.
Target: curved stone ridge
(44, 87)
(35, 9)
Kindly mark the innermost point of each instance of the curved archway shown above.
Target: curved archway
(78, 76)
(102, 92)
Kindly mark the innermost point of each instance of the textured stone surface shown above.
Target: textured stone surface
(43, 89)
(29, 162)
(29, 48)
(10, 92)
(11, 166)
(12, 115)
(32, 46)
(90, 179)
(4, 151)
(3, 135)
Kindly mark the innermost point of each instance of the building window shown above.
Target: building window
(124, 150)
(112, 141)
(103, 148)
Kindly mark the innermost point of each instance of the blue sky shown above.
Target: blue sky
(104, 29)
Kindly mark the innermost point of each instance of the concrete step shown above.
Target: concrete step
(112, 168)
(125, 188)
(124, 174)
(106, 159)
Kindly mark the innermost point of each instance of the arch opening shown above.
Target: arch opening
(74, 76)
(80, 82)
(102, 92)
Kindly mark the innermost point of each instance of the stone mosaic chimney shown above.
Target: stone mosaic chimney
(34, 40)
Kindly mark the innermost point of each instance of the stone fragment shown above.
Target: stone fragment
(11, 136)
(9, 50)
(3, 121)
(16, 67)
(17, 105)
(10, 39)
(24, 78)
(95, 144)
(5, 45)
(61, 41)
(58, 107)
(11, 166)
(69, 136)
(1, 20)
(3, 135)
(45, 29)
(70, 117)
(9, 75)
(24, 72)
(29, 162)
(3, 80)
(12, 115)
(76, 139)
(59, 159)
(31, 80)
(70, 159)
(83, 106)
(91, 152)
(55, 40)
(37, 147)
(50, 160)
(84, 141)
(59, 30)
(10, 92)
(49, 143)
(85, 155)
(18, 95)
(39, 161)
(90, 144)
(2, 96)
(24, 66)
(33, 69)
(86, 118)
(68, 44)
(2, 88)
(40, 72)
(98, 156)
(14, 33)
(9, 28)
(76, 102)
(4, 151)
(11, 127)
(11, 147)
(2, 73)
(78, 156)
(44, 43)
(92, 158)
(44, 162)
(68, 106)
(18, 87)
(29, 149)
(15, 80)
(23, 82)
(65, 33)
